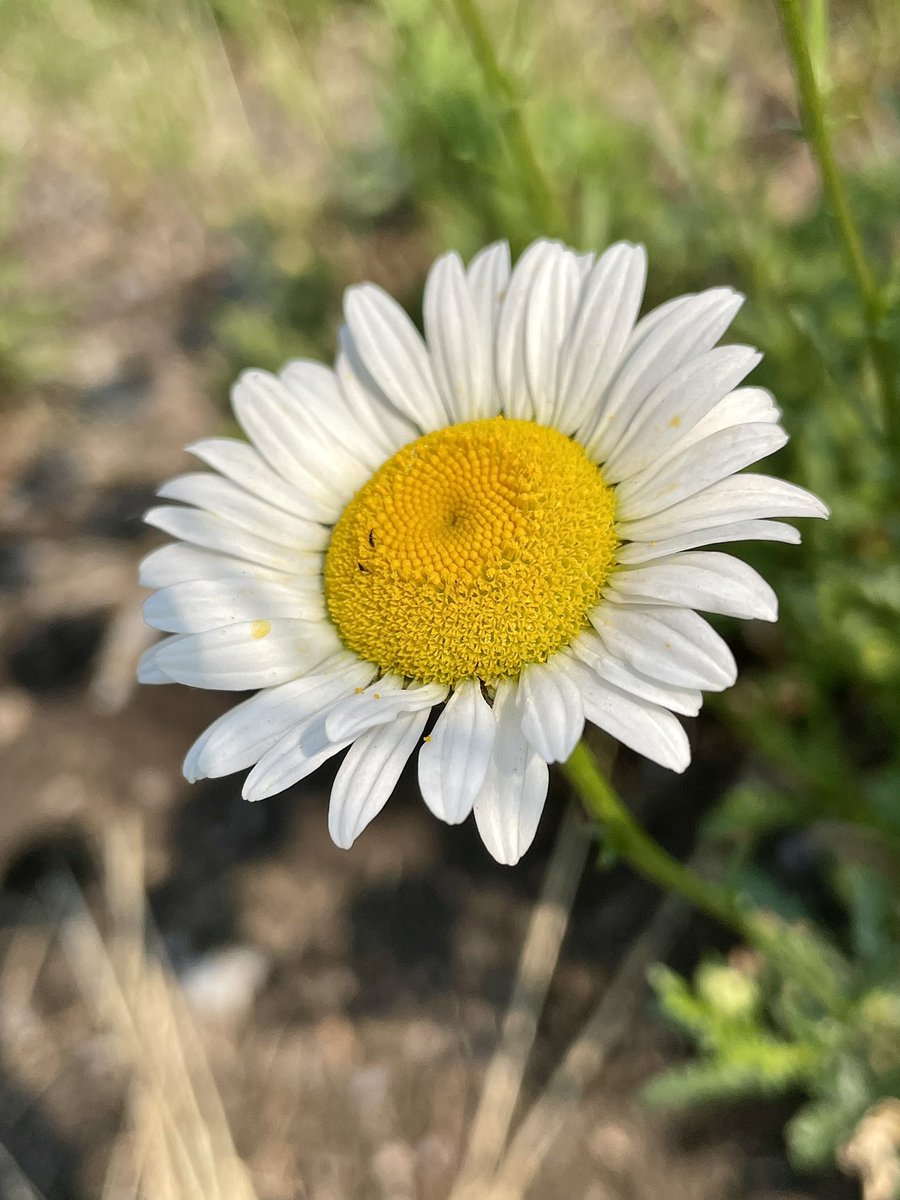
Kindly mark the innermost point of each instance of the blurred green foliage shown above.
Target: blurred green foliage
(675, 125)
(803, 1016)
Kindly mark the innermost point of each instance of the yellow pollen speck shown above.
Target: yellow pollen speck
(427, 737)
(473, 551)
(675, 422)
(260, 629)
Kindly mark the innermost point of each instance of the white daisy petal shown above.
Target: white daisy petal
(708, 580)
(239, 462)
(659, 345)
(645, 728)
(367, 702)
(738, 498)
(205, 604)
(509, 805)
(226, 499)
(669, 644)
(605, 316)
(550, 710)
(548, 312)
(740, 531)
(369, 774)
(675, 406)
(293, 757)
(488, 278)
(461, 358)
(307, 746)
(252, 654)
(249, 730)
(310, 392)
(387, 428)
(148, 669)
(342, 444)
(383, 701)
(689, 325)
(586, 261)
(589, 648)
(215, 533)
(509, 361)
(395, 355)
(657, 316)
(179, 562)
(743, 406)
(716, 457)
(454, 760)
(268, 415)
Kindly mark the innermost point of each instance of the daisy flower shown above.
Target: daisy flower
(500, 521)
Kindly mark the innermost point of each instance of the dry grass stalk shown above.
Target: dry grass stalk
(540, 952)
(584, 1059)
(177, 1144)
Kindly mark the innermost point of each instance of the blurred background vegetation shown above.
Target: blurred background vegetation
(269, 153)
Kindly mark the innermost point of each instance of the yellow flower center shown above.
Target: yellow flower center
(474, 551)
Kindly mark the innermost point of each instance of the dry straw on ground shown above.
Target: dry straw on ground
(175, 1143)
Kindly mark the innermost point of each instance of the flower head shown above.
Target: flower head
(502, 519)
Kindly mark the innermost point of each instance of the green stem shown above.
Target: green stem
(628, 839)
(815, 123)
(542, 200)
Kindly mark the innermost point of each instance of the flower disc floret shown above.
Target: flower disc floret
(473, 551)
